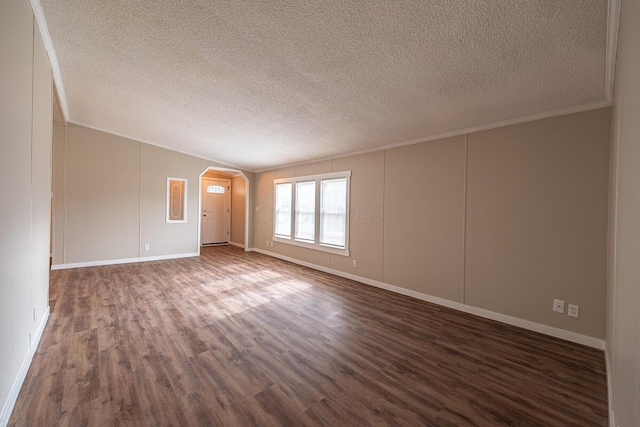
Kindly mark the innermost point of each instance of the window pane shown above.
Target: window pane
(333, 212)
(283, 210)
(306, 211)
(215, 189)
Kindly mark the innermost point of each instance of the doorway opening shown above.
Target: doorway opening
(223, 207)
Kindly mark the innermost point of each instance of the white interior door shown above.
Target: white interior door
(216, 210)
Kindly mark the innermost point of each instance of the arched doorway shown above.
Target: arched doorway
(239, 203)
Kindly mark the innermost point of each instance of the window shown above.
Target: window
(215, 189)
(176, 200)
(333, 212)
(283, 210)
(313, 211)
(306, 211)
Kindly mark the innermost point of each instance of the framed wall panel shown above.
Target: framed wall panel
(176, 200)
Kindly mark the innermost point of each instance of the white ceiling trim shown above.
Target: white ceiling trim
(532, 118)
(133, 138)
(53, 59)
(613, 23)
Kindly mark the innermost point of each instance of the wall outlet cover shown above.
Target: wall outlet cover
(574, 310)
(558, 305)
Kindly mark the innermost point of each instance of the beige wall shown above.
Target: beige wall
(41, 145)
(366, 213)
(57, 187)
(102, 197)
(162, 238)
(238, 213)
(623, 313)
(424, 217)
(536, 220)
(25, 146)
(110, 198)
(528, 202)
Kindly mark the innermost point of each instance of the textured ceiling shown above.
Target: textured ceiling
(259, 84)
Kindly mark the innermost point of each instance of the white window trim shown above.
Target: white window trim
(184, 200)
(316, 245)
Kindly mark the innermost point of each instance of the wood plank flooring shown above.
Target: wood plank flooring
(242, 339)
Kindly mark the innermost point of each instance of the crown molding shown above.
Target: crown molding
(133, 138)
(53, 59)
(613, 24)
(518, 120)
(613, 20)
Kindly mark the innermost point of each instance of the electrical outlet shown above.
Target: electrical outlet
(558, 305)
(146, 247)
(573, 310)
(267, 243)
(35, 313)
(355, 263)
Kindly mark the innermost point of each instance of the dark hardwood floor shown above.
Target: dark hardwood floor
(241, 339)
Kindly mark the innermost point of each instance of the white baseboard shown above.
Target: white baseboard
(121, 261)
(240, 245)
(607, 361)
(22, 374)
(510, 320)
